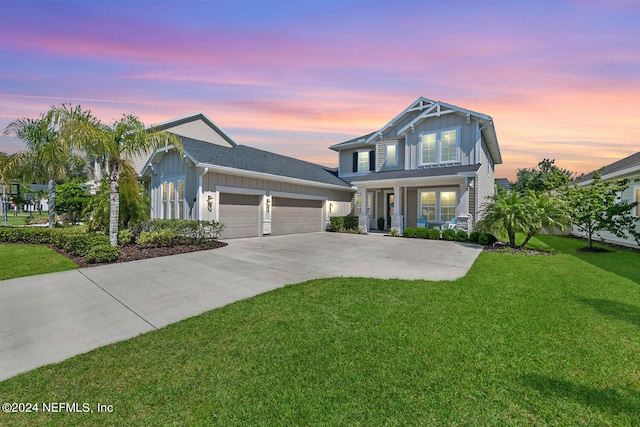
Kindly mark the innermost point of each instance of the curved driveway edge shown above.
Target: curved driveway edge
(51, 317)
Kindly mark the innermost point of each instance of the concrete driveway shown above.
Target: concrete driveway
(51, 317)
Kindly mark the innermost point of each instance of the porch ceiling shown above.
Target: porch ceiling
(451, 180)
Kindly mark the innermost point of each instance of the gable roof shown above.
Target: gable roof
(422, 109)
(197, 126)
(242, 158)
(629, 164)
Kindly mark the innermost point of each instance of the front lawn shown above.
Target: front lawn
(521, 340)
(20, 260)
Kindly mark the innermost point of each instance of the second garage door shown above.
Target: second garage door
(239, 213)
(291, 216)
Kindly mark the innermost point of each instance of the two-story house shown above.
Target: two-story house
(432, 165)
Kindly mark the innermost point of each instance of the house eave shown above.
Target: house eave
(457, 179)
(271, 177)
(613, 175)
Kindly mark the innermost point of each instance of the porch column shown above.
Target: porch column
(363, 219)
(462, 210)
(397, 220)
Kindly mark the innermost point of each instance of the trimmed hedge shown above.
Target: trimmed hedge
(342, 223)
(102, 253)
(487, 239)
(473, 237)
(421, 233)
(190, 232)
(449, 235)
(409, 232)
(461, 236)
(433, 234)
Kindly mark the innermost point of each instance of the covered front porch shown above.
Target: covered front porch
(432, 202)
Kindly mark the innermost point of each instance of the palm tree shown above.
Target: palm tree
(510, 212)
(47, 152)
(548, 211)
(117, 143)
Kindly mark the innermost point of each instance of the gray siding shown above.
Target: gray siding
(628, 195)
(199, 130)
(211, 180)
(411, 216)
(172, 165)
(485, 186)
(467, 137)
(381, 156)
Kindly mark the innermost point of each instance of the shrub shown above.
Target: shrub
(351, 222)
(487, 239)
(336, 223)
(461, 236)
(448, 235)
(125, 236)
(343, 223)
(433, 234)
(473, 237)
(409, 232)
(102, 253)
(421, 233)
(159, 238)
(188, 231)
(35, 235)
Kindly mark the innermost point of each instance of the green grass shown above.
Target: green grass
(521, 340)
(19, 260)
(21, 218)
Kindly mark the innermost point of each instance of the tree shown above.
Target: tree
(134, 203)
(508, 212)
(598, 207)
(529, 213)
(72, 200)
(545, 177)
(48, 154)
(116, 143)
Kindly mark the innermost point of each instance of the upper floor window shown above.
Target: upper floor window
(363, 161)
(392, 154)
(439, 147)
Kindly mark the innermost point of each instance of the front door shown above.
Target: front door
(389, 209)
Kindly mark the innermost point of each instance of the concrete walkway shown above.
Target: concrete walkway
(51, 317)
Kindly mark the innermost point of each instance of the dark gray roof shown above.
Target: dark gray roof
(418, 173)
(503, 182)
(252, 159)
(626, 163)
(363, 138)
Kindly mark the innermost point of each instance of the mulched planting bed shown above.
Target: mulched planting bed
(137, 252)
(505, 248)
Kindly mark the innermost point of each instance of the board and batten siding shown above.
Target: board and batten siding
(411, 216)
(467, 138)
(172, 165)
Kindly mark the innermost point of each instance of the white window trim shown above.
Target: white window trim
(367, 169)
(438, 207)
(439, 146)
(386, 151)
(175, 179)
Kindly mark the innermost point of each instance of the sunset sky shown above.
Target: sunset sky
(561, 79)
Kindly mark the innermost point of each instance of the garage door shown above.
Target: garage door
(239, 214)
(290, 216)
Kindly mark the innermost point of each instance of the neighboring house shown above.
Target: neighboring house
(251, 192)
(432, 163)
(627, 168)
(503, 183)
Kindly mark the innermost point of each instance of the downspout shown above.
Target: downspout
(199, 196)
